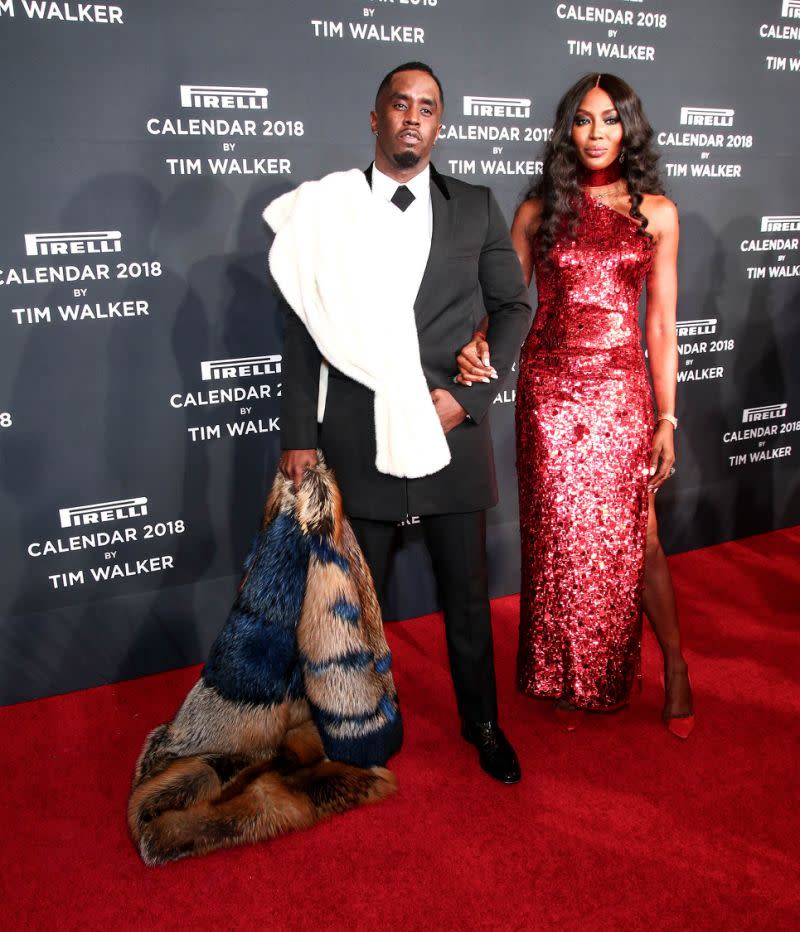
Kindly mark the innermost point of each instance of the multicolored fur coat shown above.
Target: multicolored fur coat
(295, 712)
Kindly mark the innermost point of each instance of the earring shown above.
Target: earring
(621, 157)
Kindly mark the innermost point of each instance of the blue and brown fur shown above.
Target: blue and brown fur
(295, 712)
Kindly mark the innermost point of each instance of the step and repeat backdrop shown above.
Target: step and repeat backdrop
(140, 348)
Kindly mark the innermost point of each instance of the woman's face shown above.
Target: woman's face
(597, 130)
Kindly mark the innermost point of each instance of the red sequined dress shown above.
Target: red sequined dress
(584, 430)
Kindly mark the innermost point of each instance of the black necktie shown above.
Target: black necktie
(402, 197)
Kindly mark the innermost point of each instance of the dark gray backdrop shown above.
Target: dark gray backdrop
(105, 138)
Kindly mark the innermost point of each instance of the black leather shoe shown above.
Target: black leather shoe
(496, 755)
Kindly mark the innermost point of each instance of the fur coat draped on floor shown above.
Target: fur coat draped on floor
(295, 712)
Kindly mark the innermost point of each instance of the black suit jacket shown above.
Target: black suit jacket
(472, 270)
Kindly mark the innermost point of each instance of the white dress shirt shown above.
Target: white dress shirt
(407, 232)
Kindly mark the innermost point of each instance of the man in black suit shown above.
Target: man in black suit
(455, 260)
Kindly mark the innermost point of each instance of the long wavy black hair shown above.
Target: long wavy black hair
(558, 187)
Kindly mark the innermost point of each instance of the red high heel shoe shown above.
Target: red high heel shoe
(679, 725)
(682, 726)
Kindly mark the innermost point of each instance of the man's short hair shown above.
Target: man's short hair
(409, 66)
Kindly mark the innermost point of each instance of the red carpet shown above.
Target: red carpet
(616, 826)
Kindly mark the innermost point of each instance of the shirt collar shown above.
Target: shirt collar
(384, 186)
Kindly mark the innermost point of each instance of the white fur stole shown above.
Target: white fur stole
(327, 259)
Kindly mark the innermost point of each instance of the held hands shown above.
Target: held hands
(474, 363)
(450, 412)
(294, 463)
(662, 457)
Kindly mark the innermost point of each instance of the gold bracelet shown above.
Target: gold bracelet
(669, 417)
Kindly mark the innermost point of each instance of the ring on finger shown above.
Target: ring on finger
(671, 472)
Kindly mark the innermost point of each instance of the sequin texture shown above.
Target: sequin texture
(584, 429)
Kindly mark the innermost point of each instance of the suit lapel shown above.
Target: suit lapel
(445, 209)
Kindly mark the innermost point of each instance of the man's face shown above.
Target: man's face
(407, 119)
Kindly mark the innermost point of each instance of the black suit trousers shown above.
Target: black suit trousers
(457, 547)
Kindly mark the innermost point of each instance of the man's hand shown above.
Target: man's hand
(294, 463)
(450, 412)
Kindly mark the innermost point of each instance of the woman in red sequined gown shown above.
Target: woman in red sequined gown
(591, 454)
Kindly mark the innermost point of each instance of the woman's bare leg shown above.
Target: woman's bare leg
(659, 606)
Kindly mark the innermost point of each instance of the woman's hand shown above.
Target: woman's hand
(662, 457)
(474, 363)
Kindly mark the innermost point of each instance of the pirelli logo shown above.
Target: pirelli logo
(67, 244)
(692, 328)
(707, 116)
(103, 511)
(515, 108)
(214, 370)
(791, 9)
(764, 413)
(217, 97)
(786, 224)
